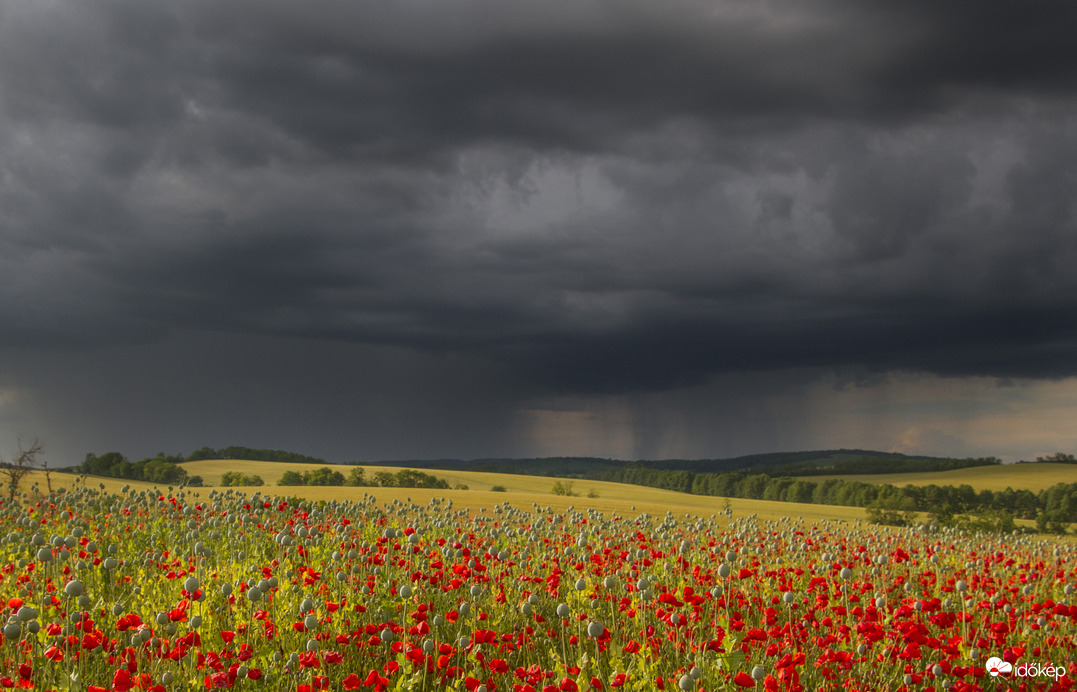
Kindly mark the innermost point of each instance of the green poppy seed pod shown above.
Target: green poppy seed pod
(788, 597)
(695, 673)
(310, 622)
(686, 682)
(475, 590)
(464, 608)
(594, 629)
(12, 631)
(306, 604)
(581, 584)
(26, 613)
(961, 585)
(73, 588)
(226, 589)
(196, 622)
(386, 635)
(563, 610)
(254, 594)
(846, 573)
(190, 584)
(405, 590)
(463, 643)
(724, 570)
(759, 672)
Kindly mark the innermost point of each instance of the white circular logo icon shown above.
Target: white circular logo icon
(996, 666)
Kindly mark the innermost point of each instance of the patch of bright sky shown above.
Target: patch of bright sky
(909, 413)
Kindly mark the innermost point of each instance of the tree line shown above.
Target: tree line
(405, 478)
(251, 454)
(1052, 509)
(166, 469)
(880, 464)
(162, 468)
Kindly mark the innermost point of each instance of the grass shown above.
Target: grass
(1034, 477)
(522, 491)
(619, 498)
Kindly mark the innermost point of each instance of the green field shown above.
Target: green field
(1034, 477)
(401, 593)
(521, 491)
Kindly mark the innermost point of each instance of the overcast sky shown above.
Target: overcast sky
(466, 228)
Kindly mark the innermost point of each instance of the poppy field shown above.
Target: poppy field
(155, 590)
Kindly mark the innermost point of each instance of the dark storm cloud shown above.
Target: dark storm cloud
(596, 197)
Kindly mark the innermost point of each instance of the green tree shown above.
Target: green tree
(235, 479)
(1052, 521)
(291, 478)
(385, 479)
(892, 510)
(1057, 458)
(163, 472)
(323, 476)
(563, 488)
(357, 477)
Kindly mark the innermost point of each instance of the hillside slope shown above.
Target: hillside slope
(1034, 477)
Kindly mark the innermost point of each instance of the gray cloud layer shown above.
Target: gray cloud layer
(590, 198)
